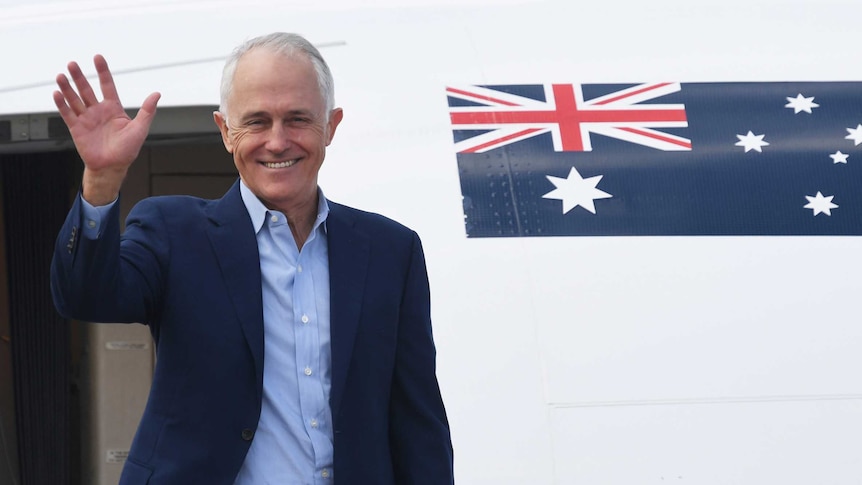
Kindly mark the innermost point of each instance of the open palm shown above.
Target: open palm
(107, 140)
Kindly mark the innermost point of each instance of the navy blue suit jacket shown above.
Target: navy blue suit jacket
(189, 268)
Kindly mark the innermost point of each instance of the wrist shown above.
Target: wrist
(103, 186)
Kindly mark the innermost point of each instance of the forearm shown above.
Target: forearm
(420, 438)
(88, 279)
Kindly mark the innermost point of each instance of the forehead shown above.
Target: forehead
(266, 80)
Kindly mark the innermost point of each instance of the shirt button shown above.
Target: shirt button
(305, 319)
(274, 218)
(325, 474)
(299, 268)
(91, 224)
(247, 434)
(314, 423)
(308, 371)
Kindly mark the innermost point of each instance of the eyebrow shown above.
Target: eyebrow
(256, 114)
(266, 114)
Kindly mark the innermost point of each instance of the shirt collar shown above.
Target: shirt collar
(257, 211)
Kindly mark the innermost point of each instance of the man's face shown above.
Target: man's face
(277, 128)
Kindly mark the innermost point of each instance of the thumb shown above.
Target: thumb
(148, 111)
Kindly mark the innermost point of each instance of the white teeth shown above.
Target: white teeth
(285, 164)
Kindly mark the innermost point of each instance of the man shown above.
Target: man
(293, 333)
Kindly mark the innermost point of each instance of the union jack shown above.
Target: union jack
(507, 118)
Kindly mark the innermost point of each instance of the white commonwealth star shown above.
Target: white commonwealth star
(855, 135)
(801, 103)
(576, 191)
(820, 204)
(839, 157)
(752, 141)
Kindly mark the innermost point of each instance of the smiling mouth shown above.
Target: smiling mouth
(284, 164)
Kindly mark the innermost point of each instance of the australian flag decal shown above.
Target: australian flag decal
(660, 159)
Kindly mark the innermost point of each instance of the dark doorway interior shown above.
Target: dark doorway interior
(36, 194)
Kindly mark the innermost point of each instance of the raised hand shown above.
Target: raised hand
(107, 140)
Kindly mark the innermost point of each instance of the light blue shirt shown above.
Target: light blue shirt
(93, 217)
(293, 441)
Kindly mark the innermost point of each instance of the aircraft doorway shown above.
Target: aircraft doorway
(72, 393)
(36, 393)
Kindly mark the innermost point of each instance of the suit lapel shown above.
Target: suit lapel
(349, 251)
(233, 239)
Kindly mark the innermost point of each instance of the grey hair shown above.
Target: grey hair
(286, 44)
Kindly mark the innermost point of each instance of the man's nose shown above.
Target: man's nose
(278, 138)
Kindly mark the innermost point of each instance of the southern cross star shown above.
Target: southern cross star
(801, 103)
(839, 157)
(855, 135)
(751, 142)
(576, 191)
(819, 204)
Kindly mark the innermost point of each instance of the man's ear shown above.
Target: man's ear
(221, 121)
(335, 118)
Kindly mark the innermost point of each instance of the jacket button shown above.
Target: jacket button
(247, 434)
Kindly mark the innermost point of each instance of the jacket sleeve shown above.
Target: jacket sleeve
(419, 433)
(109, 279)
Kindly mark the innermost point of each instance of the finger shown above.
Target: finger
(106, 80)
(148, 111)
(70, 96)
(65, 112)
(85, 91)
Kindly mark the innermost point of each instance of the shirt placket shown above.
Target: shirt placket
(308, 362)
